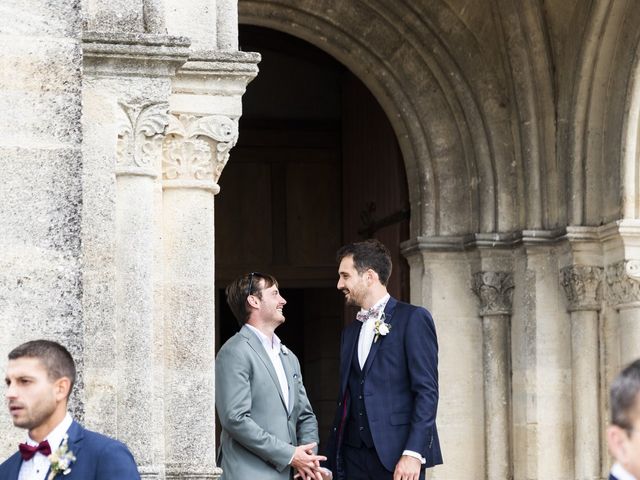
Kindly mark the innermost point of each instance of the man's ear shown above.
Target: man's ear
(253, 301)
(62, 388)
(372, 276)
(617, 440)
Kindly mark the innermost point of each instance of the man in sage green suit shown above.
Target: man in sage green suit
(269, 430)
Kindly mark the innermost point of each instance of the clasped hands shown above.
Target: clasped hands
(307, 464)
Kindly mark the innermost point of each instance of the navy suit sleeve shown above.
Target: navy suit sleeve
(115, 461)
(422, 358)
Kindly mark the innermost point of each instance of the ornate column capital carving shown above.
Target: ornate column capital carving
(623, 281)
(196, 150)
(140, 134)
(583, 286)
(495, 290)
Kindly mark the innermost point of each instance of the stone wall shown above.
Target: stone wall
(41, 190)
(518, 125)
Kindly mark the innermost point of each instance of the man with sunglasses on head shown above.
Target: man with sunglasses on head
(269, 430)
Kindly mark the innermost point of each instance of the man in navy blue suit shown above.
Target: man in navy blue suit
(623, 435)
(39, 378)
(385, 423)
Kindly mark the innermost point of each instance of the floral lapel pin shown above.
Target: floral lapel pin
(61, 459)
(381, 328)
(284, 350)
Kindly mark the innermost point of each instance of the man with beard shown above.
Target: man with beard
(385, 423)
(39, 379)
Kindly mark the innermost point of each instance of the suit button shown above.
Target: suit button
(335, 429)
(361, 382)
(359, 397)
(361, 428)
(339, 404)
(360, 413)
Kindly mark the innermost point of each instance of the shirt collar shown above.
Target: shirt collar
(57, 434)
(380, 304)
(269, 344)
(620, 473)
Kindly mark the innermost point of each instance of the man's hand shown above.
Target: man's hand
(325, 472)
(408, 468)
(306, 463)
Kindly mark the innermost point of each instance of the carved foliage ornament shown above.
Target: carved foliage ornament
(583, 286)
(197, 148)
(623, 282)
(140, 135)
(495, 290)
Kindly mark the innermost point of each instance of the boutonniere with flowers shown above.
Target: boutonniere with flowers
(61, 459)
(381, 328)
(284, 350)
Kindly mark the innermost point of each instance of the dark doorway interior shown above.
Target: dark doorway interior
(316, 165)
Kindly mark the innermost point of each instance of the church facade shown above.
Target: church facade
(517, 124)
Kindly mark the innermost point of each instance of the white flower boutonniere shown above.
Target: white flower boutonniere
(284, 350)
(381, 328)
(61, 459)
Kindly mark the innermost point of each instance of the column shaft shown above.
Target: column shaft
(495, 330)
(134, 314)
(629, 334)
(585, 368)
(189, 327)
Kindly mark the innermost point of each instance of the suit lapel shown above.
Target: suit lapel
(14, 466)
(256, 346)
(389, 309)
(74, 442)
(351, 334)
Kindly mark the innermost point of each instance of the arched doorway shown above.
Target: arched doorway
(317, 165)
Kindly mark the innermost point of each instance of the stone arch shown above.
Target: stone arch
(454, 134)
(604, 116)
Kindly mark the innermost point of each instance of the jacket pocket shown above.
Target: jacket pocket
(401, 418)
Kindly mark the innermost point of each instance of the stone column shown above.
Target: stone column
(126, 92)
(139, 144)
(582, 285)
(495, 290)
(202, 130)
(623, 281)
(440, 283)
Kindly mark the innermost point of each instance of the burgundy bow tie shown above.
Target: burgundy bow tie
(364, 315)
(28, 451)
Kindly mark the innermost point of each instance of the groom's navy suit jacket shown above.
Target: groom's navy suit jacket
(400, 388)
(97, 458)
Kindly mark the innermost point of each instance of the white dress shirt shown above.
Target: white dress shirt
(620, 473)
(365, 340)
(37, 467)
(367, 332)
(272, 346)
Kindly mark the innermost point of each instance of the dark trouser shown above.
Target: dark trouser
(362, 463)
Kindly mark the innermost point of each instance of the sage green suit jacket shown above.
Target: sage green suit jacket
(259, 435)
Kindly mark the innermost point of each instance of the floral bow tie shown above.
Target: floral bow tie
(364, 315)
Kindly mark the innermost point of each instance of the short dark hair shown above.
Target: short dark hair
(624, 396)
(243, 286)
(56, 359)
(369, 254)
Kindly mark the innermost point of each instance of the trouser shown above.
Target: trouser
(362, 463)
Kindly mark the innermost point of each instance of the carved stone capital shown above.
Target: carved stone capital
(495, 290)
(583, 286)
(196, 150)
(140, 135)
(623, 282)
